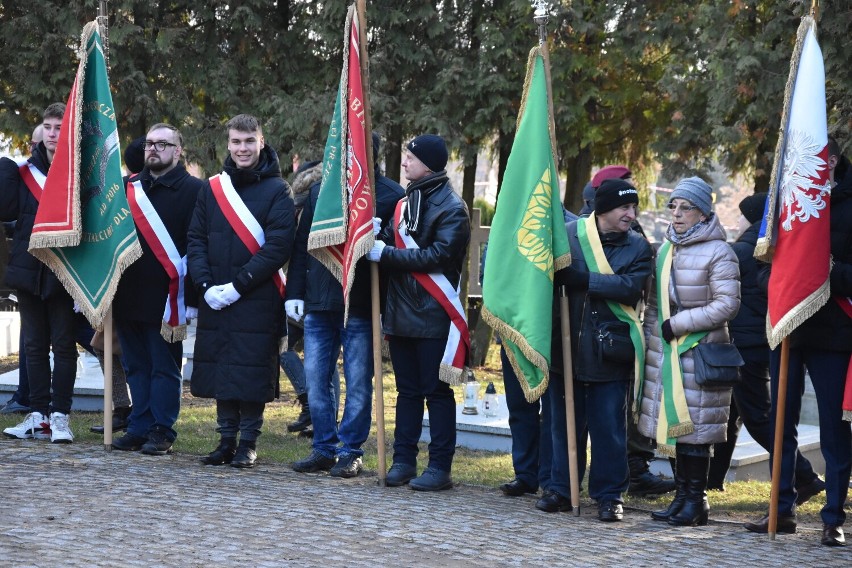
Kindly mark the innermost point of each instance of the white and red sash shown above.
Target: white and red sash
(154, 232)
(458, 342)
(242, 221)
(33, 178)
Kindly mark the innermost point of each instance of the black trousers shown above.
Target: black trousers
(751, 406)
(49, 324)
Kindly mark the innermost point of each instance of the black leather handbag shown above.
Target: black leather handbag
(717, 365)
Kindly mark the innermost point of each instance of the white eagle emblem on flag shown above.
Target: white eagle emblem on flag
(802, 164)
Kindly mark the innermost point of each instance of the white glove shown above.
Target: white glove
(214, 299)
(191, 313)
(377, 225)
(294, 309)
(228, 293)
(76, 308)
(375, 253)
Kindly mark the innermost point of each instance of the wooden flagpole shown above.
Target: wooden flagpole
(781, 404)
(540, 17)
(778, 444)
(375, 315)
(103, 24)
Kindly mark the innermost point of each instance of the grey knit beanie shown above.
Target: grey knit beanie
(696, 191)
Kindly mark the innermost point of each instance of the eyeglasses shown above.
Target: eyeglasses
(681, 208)
(159, 146)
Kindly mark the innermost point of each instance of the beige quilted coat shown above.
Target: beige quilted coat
(707, 279)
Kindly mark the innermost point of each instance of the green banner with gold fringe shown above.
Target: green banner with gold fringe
(528, 241)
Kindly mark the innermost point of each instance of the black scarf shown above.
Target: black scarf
(416, 192)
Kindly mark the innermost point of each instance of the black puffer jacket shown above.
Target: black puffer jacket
(25, 272)
(236, 348)
(748, 328)
(830, 328)
(144, 286)
(631, 258)
(309, 280)
(443, 239)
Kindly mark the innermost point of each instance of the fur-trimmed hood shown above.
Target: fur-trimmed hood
(309, 174)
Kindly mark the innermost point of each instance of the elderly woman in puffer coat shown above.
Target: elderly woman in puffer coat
(700, 293)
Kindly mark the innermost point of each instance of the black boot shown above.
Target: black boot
(120, 420)
(696, 508)
(680, 494)
(643, 482)
(224, 452)
(246, 454)
(304, 419)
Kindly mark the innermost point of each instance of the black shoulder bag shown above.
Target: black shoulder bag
(717, 365)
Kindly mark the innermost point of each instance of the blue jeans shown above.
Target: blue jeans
(828, 373)
(324, 336)
(600, 411)
(601, 417)
(154, 377)
(295, 369)
(291, 362)
(529, 423)
(416, 362)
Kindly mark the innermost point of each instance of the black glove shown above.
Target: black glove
(668, 334)
(572, 278)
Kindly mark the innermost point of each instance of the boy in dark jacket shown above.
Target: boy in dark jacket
(47, 310)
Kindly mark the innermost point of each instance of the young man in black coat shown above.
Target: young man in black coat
(240, 237)
(151, 304)
(47, 310)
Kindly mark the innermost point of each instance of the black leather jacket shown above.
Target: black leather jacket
(443, 238)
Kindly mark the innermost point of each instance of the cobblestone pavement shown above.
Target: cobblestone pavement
(82, 506)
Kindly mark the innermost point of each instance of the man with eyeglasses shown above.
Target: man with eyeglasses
(240, 238)
(47, 314)
(152, 306)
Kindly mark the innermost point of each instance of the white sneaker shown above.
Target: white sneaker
(35, 425)
(60, 431)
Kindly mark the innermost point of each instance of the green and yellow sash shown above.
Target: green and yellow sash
(590, 243)
(674, 420)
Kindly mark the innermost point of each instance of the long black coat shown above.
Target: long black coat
(236, 348)
(443, 238)
(25, 272)
(144, 286)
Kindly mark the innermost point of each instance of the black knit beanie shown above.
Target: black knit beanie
(614, 193)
